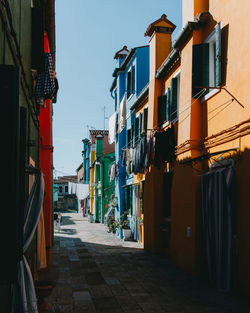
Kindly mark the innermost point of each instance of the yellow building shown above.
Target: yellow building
(197, 208)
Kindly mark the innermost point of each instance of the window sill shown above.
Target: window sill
(210, 94)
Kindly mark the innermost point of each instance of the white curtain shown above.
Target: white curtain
(112, 125)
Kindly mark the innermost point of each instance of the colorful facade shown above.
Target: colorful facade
(130, 78)
(97, 160)
(198, 217)
(26, 121)
(192, 193)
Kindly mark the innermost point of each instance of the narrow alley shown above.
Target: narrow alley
(95, 271)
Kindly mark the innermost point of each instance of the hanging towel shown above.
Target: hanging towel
(41, 244)
(82, 191)
(112, 133)
(112, 172)
(122, 114)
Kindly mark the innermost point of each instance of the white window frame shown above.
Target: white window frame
(211, 40)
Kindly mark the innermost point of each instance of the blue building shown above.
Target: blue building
(131, 75)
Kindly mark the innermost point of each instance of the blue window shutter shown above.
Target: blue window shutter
(218, 54)
(200, 68)
(173, 98)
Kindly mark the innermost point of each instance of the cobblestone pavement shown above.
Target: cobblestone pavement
(95, 271)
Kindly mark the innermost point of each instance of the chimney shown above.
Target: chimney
(99, 142)
(160, 33)
(160, 42)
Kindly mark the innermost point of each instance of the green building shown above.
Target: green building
(104, 189)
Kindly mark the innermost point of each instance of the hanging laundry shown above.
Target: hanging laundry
(124, 157)
(122, 114)
(45, 85)
(82, 191)
(128, 161)
(54, 96)
(41, 243)
(148, 155)
(112, 126)
(112, 172)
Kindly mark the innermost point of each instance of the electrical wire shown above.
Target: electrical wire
(191, 106)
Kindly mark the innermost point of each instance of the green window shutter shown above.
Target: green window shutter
(131, 200)
(218, 54)
(200, 71)
(168, 109)
(145, 119)
(136, 129)
(173, 105)
(162, 109)
(140, 124)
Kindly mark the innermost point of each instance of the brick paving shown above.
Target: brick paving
(95, 271)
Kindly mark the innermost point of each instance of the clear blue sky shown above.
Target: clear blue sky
(88, 33)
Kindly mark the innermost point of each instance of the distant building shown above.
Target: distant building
(66, 200)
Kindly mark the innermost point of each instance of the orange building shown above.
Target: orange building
(197, 206)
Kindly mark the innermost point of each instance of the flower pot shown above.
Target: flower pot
(126, 234)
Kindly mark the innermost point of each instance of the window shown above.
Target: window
(162, 109)
(207, 63)
(115, 96)
(129, 138)
(140, 124)
(131, 81)
(174, 97)
(145, 119)
(169, 102)
(129, 199)
(136, 129)
(66, 189)
(60, 189)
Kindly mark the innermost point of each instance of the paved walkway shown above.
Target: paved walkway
(95, 271)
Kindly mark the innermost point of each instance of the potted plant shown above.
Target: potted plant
(124, 224)
(111, 224)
